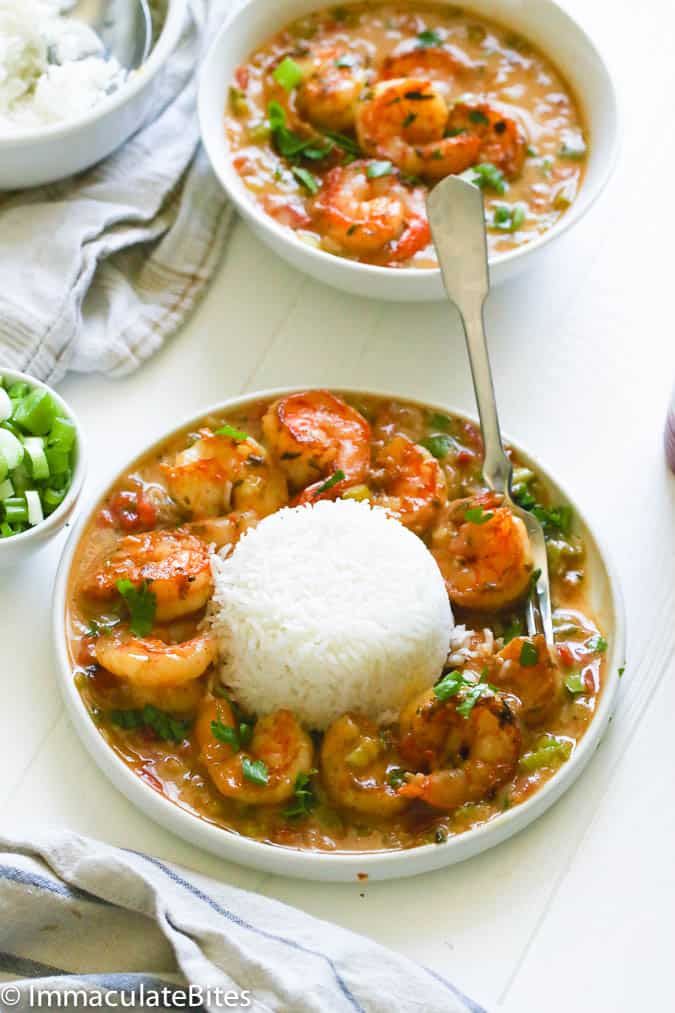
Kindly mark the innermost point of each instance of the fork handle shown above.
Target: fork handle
(497, 467)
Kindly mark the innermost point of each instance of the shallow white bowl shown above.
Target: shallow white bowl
(606, 603)
(17, 548)
(33, 157)
(541, 21)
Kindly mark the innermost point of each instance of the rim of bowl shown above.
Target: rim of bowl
(575, 213)
(54, 521)
(138, 80)
(343, 865)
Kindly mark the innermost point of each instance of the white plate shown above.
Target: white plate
(605, 600)
(543, 22)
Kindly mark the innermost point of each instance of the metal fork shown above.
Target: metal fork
(457, 219)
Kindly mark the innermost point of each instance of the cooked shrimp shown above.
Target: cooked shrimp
(413, 484)
(405, 120)
(356, 766)
(333, 80)
(483, 552)
(502, 139)
(363, 216)
(218, 474)
(316, 434)
(152, 663)
(222, 531)
(174, 563)
(531, 674)
(181, 701)
(443, 65)
(278, 742)
(465, 758)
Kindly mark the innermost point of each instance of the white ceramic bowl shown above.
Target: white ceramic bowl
(33, 157)
(17, 548)
(606, 603)
(541, 21)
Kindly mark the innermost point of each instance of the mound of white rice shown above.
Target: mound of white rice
(328, 608)
(52, 67)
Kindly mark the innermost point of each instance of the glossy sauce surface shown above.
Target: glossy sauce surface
(474, 64)
(172, 763)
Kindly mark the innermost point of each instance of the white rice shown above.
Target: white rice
(52, 67)
(328, 608)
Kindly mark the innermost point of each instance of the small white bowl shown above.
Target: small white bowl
(17, 548)
(541, 21)
(348, 866)
(36, 156)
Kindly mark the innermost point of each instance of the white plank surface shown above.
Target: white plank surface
(575, 912)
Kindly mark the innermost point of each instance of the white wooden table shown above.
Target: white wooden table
(577, 911)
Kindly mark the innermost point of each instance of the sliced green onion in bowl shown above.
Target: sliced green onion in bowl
(6, 406)
(11, 448)
(34, 506)
(37, 459)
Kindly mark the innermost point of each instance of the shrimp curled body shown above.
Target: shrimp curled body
(278, 742)
(332, 82)
(413, 483)
(405, 120)
(365, 216)
(154, 664)
(483, 552)
(465, 758)
(314, 435)
(175, 564)
(537, 683)
(356, 767)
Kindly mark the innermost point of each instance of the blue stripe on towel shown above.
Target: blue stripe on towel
(231, 916)
(24, 878)
(472, 1006)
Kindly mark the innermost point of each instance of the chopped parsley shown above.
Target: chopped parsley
(165, 727)
(255, 770)
(290, 144)
(338, 476)
(529, 655)
(142, 605)
(429, 38)
(478, 116)
(415, 95)
(235, 434)
(622, 670)
(454, 683)
(554, 520)
(236, 736)
(476, 515)
(438, 421)
(307, 179)
(410, 118)
(396, 777)
(344, 142)
(304, 798)
(288, 74)
(377, 169)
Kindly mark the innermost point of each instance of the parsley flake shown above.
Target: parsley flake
(304, 798)
(529, 655)
(235, 434)
(142, 605)
(255, 770)
(476, 515)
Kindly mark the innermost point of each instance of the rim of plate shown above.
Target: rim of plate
(248, 208)
(139, 79)
(54, 521)
(326, 865)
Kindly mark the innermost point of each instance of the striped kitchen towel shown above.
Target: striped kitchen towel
(108, 928)
(99, 270)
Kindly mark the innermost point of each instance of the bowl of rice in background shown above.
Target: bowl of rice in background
(253, 619)
(64, 105)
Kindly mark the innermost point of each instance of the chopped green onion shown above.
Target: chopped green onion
(288, 74)
(439, 445)
(35, 412)
(376, 169)
(487, 176)
(597, 643)
(37, 459)
(57, 460)
(357, 492)
(18, 389)
(6, 489)
(309, 181)
(476, 515)
(255, 770)
(238, 103)
(51, 498)
(234, 434)
(62, 435)
(6, 406)
(35, 513)
(573, 147)
(575, 684)
(551, 751)
(16, 509)
(509, 218)
(11, 448)
(529, 654)
(338, 476)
